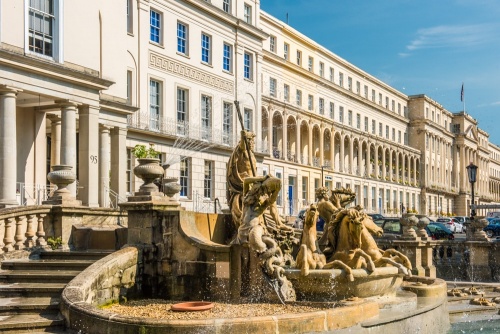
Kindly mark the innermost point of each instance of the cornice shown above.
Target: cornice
(311, 44)
(316, 79)
(169, 65)
(108, 102)
(218, 13)
(47, 68)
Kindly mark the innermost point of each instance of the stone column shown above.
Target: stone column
(8, 146)
(397, 167)
(40, 146)
(351, 150)
(384, 172)
(298, 152)
(391, 173)
(104, 163)
(119, 161)
(89, 156)
(68, 138)
(55, 139)
(332, 149)
(321, 145)
(342, 158)
(285, 138)
(403, 168)
(360, 158)
(367, 161)
(376, 162)
(463, 171)
(270, 133)
(310, 128)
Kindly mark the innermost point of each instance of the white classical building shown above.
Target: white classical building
(81, 83)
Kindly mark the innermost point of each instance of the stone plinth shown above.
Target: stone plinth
(63, 219)
(180, 261)
(64, 199)
(478, 267)
(427, 263)
(495, 260)
(412, 248)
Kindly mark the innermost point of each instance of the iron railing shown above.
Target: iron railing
(33, 194)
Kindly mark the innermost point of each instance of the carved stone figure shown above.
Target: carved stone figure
(239, 167)
(309, 256)
(259, 193)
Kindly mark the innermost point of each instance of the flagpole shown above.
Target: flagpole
(463, 97)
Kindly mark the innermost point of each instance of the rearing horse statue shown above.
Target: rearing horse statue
(355, 248)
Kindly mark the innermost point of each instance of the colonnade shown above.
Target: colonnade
(310, 142)
(91, 158)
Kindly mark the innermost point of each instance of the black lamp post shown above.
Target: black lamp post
(471, 173)
(322, 178)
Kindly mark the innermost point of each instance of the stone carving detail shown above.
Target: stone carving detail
(171, 66)
(309, 256)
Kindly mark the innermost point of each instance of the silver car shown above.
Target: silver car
(464, 220)
(452, 224)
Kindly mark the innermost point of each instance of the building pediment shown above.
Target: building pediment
(471, 133)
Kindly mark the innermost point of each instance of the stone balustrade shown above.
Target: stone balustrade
(27, 227)
(471, 260)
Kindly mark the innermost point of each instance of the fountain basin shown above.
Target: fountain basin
(332, 284)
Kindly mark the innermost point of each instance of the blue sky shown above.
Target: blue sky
(416, 46)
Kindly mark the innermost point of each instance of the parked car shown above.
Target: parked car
(299, 221)
(393, 230)
(452, 224)
(493, 214)
(493, 228)
(376, 216)
(439, 231)
(464, 220)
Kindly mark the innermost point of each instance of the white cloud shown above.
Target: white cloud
(457, 36)
(403, 54)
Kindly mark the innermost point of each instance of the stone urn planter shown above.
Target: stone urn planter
(478, 224)
(170, 186)
(61, 176)
(423, 221)
(148, 170)
(408, 221)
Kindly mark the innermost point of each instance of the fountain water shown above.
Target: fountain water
(182, 255)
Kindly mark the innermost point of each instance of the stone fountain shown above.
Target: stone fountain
(251, 256)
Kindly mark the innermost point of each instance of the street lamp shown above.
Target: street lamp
(322, 178)
(471, 173)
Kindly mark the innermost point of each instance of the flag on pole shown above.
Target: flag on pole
(462, 93)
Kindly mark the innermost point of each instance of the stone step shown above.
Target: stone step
(9, 290)
(74, 255)
(66, 264)
(29, 323)
(16, 305)
(37, 276)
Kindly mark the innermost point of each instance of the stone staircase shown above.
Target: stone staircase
(461, 310)
(30, 290)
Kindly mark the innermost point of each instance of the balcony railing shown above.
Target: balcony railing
(172, 127)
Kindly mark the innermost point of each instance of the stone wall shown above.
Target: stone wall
(183, 256)
(108, 280)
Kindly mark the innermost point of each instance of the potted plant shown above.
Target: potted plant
(149, 168)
